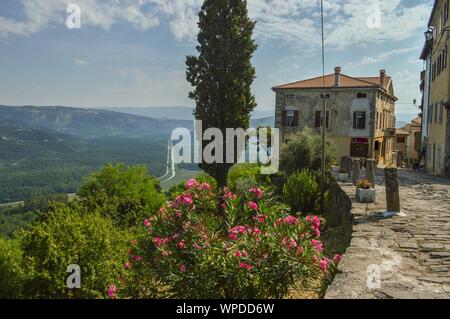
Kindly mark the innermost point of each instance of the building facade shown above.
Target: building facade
(408, 141)
(436, 122)
(360, 117)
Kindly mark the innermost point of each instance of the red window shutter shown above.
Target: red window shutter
(317, 124)
(296, 118)
(283, 118)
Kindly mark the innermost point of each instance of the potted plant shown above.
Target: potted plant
(335, 167)
(343, 175)
(365, 193)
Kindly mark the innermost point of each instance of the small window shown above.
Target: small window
(290, 118)
(436, 112)
(362, 95)
(359, 120)
(290, 98)
(401, 140)
(319, 119)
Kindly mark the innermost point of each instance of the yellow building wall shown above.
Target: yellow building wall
(384, 119)
(439, 93)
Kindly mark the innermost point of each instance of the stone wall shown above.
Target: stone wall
(339, 207)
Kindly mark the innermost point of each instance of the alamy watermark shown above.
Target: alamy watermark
(374, 19)
(234, 145)
(73, 281)
(74, 19)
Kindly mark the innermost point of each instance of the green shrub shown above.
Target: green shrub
(10, 272)
(301, 191)
(126, 195)
(304, 152)
(255, 250)
(68, 235)
(241, 177)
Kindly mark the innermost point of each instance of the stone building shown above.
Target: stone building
(360, 117)
(436, 87)
(408, 141)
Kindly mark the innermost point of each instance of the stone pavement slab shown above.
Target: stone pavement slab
(404, 256)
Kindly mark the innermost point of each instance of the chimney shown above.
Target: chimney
(337, 75)
(382, 76)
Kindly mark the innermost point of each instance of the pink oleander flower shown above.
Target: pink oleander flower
(337, 259)
(300, 250)
(182, 244)
(160, 241)
(233, 236)
(260, 218)
(127, 265)
(147, 223)
(182, 268)
(317, 244)
(252, 206)
(205, 187)
(134, 242)
(137, 258)
(290, 220)
(191, 184)
(292, 243)
(229, 195)
(187, 199)
(257, 191)
(256, 231)
(241, 254)
(245, 266)
(324, 263)
(157, 241)
(314, 221)
(235, 231)
(112, 291)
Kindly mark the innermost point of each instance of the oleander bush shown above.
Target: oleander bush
(255, 249)
(301, 191)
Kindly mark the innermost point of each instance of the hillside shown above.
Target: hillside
(88, 122)
(50, 149)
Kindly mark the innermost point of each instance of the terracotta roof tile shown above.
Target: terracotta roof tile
(345, 82)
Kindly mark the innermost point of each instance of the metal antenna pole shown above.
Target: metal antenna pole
(324, 119)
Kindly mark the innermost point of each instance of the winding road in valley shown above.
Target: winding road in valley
(170, 170)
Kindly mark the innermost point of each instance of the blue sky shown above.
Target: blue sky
(132, 52)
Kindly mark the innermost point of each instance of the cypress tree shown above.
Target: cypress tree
(222, 73)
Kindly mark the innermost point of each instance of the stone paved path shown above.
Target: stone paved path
(404, 256)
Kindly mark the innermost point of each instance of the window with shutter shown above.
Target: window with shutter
(317, 121)
(359, 120)
(290, 118)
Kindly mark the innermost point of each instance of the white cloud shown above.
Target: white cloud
(294, 22)
(382, 57)
(80, 62)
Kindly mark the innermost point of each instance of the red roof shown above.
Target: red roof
(330, 81)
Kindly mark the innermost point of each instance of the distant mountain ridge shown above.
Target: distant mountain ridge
(176, 112)
(88, 122)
